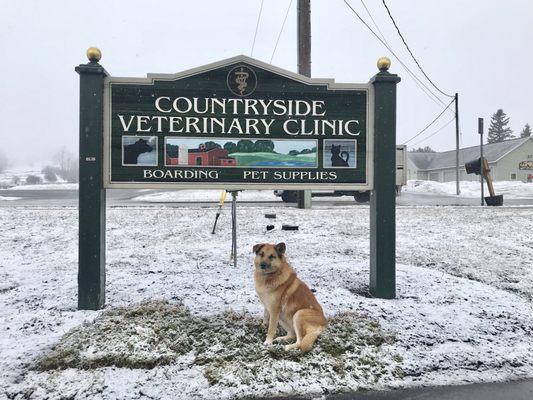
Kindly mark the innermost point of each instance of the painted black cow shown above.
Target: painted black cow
(132, 151)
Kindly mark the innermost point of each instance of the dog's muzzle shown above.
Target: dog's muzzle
(264, 266)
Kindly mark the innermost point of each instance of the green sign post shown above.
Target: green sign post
(92, 201)
(235, 124)
(383, 196)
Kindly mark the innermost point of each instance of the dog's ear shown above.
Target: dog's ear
(257, 247)
(280, 248)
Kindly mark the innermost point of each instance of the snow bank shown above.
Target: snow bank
(214, 196)
(48, 186)
(206, 196)
(471, 189)
(462, 313)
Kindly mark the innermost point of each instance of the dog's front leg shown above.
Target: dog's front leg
(266, 317)
(272, 326)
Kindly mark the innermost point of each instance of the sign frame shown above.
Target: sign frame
(330, 85)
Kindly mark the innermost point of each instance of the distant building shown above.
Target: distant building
(510, 160)
(214, 158)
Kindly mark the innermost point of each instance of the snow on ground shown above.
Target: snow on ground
(214, 196)
(206, 195)
(19, 173)
(471, 189)
(462, 314)
(15, 178)
(48, 186)
(9, 198)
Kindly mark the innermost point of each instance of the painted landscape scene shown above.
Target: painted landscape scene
(240, 153)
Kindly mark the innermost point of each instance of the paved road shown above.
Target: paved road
(520, 390)
(124, 197)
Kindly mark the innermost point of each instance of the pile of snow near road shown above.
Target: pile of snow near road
(9, 198)
(205, 196)
(471, 189)
(48, 186)
(177, 196)
(181, 322)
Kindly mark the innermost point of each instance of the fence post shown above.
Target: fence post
(383, 197)
(92, 201)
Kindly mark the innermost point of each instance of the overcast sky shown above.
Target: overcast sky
(478, 48)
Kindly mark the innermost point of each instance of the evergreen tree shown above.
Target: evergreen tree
(498, 130)
(526, 132)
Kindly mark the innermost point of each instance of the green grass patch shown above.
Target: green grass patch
(245, 159)
(228, 347)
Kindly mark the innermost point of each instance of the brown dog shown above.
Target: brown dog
(286, 299)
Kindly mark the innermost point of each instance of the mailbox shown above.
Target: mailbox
(473, 167)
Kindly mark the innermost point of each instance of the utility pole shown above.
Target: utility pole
(304, 68)
(458, 189)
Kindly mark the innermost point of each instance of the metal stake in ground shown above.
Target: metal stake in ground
(480, 131)
(234, 227)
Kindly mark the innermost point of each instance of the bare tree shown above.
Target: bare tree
(62, 158)
(67, 164)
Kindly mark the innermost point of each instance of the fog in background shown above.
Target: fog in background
(481, 49)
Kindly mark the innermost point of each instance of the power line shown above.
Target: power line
(257, 27)
(392, 51)
(424, 88)
(410, 52)
(280, 32)
(434, 133)
(431, 123)
(375, 24)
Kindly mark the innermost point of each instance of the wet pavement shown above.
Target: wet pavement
(518, 390)
(126, 197)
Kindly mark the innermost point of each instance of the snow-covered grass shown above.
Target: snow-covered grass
(471, 189)
(462, 314)
(15, 179)
(227, 347)
(19, 173)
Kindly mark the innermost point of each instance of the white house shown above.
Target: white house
(508, 161)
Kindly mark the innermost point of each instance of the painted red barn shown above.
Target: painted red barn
(213, 158)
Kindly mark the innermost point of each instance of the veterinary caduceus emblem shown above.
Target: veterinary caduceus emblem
(242, 80)
(241, 77)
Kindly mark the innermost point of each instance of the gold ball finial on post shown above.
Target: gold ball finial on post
(383, 63)
(94, 54)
